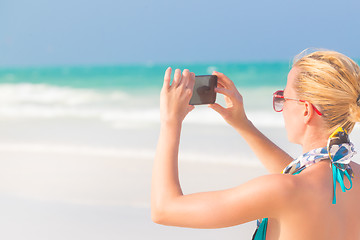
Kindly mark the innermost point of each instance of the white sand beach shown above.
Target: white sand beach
(84, 179)
(61, 196)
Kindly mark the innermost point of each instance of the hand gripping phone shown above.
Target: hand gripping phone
(204, 90)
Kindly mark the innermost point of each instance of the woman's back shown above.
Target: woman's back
(310, 214)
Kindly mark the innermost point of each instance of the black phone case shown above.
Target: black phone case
(204, 90)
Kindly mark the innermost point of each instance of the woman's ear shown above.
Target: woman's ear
(308, 112)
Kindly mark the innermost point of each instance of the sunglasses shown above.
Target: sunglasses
(279, 100)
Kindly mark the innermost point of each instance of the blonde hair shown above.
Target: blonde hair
(330, 81)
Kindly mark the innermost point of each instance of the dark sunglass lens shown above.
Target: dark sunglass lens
(278, 100)
(278, 103)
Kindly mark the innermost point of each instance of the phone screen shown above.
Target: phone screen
(204, 90)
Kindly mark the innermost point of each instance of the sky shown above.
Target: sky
(111, 32)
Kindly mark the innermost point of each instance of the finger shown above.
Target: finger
(223, 79)
(219, 85)
(224, 91)
(185, 78)
(177, 77)
(191, 81)
(221, 110)
(167, 78)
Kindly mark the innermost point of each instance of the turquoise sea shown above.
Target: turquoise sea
(143, 76)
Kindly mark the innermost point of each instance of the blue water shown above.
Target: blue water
(144, 76)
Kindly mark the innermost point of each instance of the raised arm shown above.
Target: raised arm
(273, 158)
(266, 196)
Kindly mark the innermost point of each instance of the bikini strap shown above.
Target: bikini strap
(338, 176)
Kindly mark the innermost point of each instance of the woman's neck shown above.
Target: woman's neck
(314, 139)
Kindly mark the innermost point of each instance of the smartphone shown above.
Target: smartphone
(204, 90)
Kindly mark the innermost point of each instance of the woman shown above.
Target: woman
(321, 95)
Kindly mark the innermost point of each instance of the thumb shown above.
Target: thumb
(221, 110)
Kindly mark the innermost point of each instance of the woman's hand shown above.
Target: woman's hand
(234, 112)
(175, 97)
(273, 157)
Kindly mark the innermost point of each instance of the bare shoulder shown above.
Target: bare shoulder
(356, 179)
(278, 190)
(356, 169)
(355, 166)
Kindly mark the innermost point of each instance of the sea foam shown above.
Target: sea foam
(120, 108)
